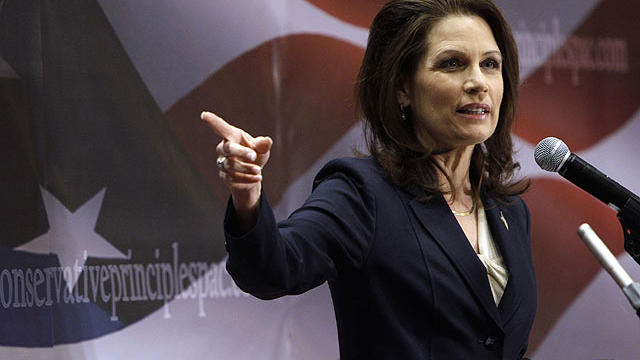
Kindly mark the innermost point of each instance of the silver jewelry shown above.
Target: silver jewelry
(220, 161)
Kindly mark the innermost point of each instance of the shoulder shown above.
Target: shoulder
(515, 209)
(512, 204)
(519, 206)
(359, 170)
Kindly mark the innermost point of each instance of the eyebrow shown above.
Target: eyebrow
(448, 51)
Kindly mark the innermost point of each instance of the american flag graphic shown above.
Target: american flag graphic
(111, 240)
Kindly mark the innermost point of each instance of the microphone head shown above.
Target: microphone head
(551, 153)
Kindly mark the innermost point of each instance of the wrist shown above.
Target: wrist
(246, 207)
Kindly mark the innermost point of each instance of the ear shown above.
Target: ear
(403, 94)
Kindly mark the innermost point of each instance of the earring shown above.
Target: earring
(403, 111)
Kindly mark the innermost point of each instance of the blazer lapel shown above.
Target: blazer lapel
(506, 233)
(440, 223)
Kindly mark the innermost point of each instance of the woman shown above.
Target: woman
(425, 244)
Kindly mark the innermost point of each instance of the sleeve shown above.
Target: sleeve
(330, 233)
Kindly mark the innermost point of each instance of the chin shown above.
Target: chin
(481, 136)
(475, 139)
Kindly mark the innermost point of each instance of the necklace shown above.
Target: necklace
(465, 213)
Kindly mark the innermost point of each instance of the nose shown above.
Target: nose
(475, 82)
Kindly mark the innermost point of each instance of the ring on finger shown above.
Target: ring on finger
(220, 161)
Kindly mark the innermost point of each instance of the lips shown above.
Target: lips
(474, 109)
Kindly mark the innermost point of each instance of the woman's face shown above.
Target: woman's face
(456, 91)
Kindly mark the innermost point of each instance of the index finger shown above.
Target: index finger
(222, 127)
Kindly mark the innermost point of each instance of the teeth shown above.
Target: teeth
(475, 112)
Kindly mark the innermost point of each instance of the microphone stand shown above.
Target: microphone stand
(609, 262)
(632, 292)
(629, 217)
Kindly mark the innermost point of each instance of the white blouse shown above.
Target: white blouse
(490, 256)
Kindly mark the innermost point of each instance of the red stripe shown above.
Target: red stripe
(564, 266)
(312, 110)
(603, 99)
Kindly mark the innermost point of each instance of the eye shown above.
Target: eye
(492, 64)
(451, 64)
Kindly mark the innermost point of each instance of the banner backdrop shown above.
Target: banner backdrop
(111, 243)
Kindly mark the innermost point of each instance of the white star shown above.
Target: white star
(71, 235)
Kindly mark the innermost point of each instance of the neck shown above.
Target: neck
(455, 164)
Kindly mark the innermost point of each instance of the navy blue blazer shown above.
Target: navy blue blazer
(404, 279)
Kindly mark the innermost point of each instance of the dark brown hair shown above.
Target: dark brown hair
(397, 42)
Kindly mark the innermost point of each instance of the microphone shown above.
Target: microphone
(552, 154)
(609, 262)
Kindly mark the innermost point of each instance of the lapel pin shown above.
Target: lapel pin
(504, 221)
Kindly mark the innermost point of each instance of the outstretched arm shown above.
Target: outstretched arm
(241, 158)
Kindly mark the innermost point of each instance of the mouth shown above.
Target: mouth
(474, 109)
